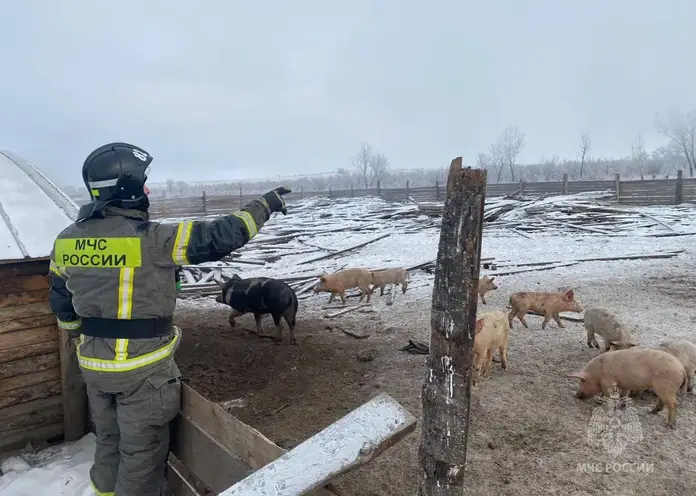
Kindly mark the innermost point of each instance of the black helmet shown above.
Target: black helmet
(115, 174)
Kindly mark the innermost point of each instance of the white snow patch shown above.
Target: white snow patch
(61, 470)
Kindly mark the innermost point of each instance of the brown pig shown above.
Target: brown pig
(380, 278)
(486, 284)
(550, 305)
(492, 331)
(634, 369)
(338, 282)
(601, 321)
(685, 352)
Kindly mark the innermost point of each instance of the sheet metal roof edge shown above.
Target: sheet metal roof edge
(63, 201)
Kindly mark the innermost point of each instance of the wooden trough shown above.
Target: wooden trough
(212, 452)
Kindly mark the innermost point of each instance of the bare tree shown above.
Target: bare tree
(372, 165)
(508, 148)
(483, 161)
(345, 174)
(549, 167)
(680, 129)
(362, 162)
(583, 151)
(495, 159)
(638, 155)
(379, 166)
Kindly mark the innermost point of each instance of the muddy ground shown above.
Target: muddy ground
(528, 433)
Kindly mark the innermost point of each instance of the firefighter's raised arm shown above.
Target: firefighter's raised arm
(193, 242)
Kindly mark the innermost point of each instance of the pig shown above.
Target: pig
(380, 278)
(685, 352)
(638, 369)
(492, 331)
(261, 296)
(486, 284)
(601, 321)
(547, 304)
(338, 282)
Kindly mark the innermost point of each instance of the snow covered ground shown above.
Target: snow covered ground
(63, 470)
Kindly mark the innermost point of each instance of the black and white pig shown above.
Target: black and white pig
(261, 296)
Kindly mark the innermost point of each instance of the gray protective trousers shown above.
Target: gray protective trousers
(131, 414)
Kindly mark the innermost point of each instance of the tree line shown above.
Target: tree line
(370, 167)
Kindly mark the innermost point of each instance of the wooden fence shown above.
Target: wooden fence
(641, 192)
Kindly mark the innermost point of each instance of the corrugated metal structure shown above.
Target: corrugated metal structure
(32, 210)
(42, 396)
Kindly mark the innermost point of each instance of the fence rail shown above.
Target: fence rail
(642, 192)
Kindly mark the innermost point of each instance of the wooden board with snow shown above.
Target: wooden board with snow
(350, 442)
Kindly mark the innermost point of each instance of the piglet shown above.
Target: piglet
(601, 321)
(338, 282)
(685, 352)
(634, 369)
(486, 284)
(550, 305)
(492, 331)
(380, 278)
(261, 296)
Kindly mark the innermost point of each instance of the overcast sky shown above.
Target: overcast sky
(226, 89)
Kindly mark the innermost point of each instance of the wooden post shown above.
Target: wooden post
(617, 187)
(241, 197)
(437, 190)
(521, 187)
(679, 194)
(73, 389)
(205, 209)
(446, 387)
(379, 188)
(565, 184)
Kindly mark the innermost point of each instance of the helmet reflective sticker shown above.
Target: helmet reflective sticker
(142, 156)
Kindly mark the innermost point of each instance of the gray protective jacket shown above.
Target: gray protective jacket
(113, 280)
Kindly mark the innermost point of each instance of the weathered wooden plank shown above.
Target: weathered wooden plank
(32, 413)
(24, 268)
(35, 435)
(30, 393)
(25, 337)
(27, 323)
(177, 483)
(75, 409)
(29, 351)
(29, 365)
(22, 312)
(23, 298)
(18, 284)
(29, 379)
(351, 442)
(255, 449)
(251, 447)
(209, 460)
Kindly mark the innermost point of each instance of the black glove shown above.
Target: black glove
(275, 200)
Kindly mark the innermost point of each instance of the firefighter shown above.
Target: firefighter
(113, 286)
